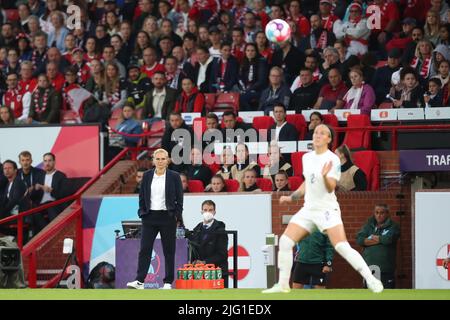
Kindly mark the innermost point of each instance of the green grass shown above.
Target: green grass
(227, 294)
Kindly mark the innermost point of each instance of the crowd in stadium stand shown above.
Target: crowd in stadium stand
(148, 61)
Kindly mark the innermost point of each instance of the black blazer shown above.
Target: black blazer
(204, 87)
(168, 104)
(209, 246)
(17, 196)
(37, 176)
(59, 185)
(287, 133)
(174, 194)
(230, 77)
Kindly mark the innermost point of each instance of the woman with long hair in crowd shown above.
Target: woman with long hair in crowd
(115, 87)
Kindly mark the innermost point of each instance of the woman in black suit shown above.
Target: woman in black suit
(160, 208)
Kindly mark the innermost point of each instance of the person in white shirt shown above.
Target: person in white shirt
(321, 169)
(160, 208)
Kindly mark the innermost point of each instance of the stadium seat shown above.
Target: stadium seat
(232, 185)
(386, 105)
(360, 139)
(212, 161)
(368, 162)
(331, 120)
(227, 101)
(298, 120)
(296, 160)
(210, 101)
(69, 116)
(262, 124)
(264, 184)
(195, 186)
(115, 116)
(295, 182)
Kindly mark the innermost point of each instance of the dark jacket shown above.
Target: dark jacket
(384, 253)
(51, 113)
(270, 98)
(230, 76)
(287, 133)
(35, 175)
(315, 249)
(199, 172)
(381, 82)
(168, 104)
(304, 98)
(260, 75)
(174, 194)
(59, 185)
(17, 196)
(291, 63)
(209, 246)
(206, 85)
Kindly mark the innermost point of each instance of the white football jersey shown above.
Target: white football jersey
(316, 194)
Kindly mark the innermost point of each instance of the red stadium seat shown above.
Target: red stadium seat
(359, 139)
(227, 101)
(232, 185)
(298, 120)
(196, 186)
(212, 161)
(296, 160)
(295, 182)
(264, 184)
(263, 122)
(368, 162)
(331, 120)
(386, 105)
(210, 101)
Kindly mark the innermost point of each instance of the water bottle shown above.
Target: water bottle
(180, 232)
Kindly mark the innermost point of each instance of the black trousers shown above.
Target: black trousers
(166, 225)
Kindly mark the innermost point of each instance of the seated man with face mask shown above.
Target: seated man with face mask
(209, 242)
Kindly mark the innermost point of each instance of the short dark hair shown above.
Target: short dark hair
(49, 154)
(141, 169)
(316, 113)
(229, 113)
(210, 203)
(203, 48)
(383, 205)
(14, 164)
(25, 153)
(175, 113)
(190, 36)
(212, 115)
(437, 81)
(279, 104)
(284, 173)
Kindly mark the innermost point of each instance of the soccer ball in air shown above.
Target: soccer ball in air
(278, 31)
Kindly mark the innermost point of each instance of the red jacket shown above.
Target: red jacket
(58, 82)
(195, 102)
(28, 86)
(13, 100)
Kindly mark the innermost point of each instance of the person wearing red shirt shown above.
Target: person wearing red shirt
(191, 99)
(13, 97)
(259, 8)
(238, 45)
(388, 22)
(328, 18)
(150, 64)
(54, 76)
(303, 27)
(83, 70)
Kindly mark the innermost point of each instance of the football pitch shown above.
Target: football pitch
(226, 294)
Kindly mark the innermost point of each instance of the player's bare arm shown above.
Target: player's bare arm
(296, 195)
(330, 183)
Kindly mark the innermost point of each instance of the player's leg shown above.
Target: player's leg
(339, 241)
(290, 237)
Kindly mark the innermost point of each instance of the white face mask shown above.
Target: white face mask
(207, 216)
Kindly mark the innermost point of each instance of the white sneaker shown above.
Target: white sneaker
(135, 285)
(277, 288)
(375, 285)
(167, 286)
